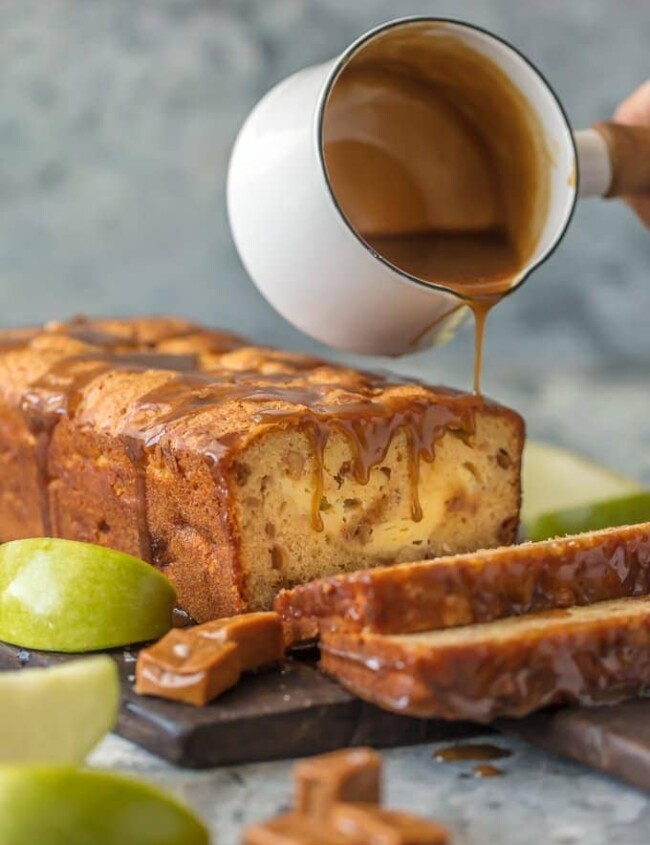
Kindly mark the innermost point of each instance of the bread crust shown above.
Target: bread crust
(470, 588)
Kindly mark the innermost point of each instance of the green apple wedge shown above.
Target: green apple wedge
(625, 510)
(58, 714)
(67, 806)
(62, 595)
(557, 482)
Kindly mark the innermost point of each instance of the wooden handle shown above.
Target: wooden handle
(629, 150)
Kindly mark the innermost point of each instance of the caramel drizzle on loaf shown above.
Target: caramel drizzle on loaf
(368, 410)
(367, 421)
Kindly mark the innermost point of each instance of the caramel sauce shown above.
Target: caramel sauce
(437, 161)
(57, 394)
(14, 339)
(367, 424)
(487, 771)
(473, 752)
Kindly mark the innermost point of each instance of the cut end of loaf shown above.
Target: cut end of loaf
(469, 498)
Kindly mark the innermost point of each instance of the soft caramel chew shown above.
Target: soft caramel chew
(481, 587)
(338, 802)
(294, 829)
(350, 775)
(585, 655)
(377, 826)
(240, 470)
(197, 664)
(350, 824)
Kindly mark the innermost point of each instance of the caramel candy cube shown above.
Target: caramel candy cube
(258, 636)
(186, 668)
(375, 826)
(292, 829)
(197, 664)
(350, 775)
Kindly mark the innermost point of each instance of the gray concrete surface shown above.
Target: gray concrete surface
(540, 800)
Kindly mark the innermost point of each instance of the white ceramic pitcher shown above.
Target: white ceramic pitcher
(311, 264)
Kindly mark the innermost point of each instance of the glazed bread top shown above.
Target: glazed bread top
(168, 381)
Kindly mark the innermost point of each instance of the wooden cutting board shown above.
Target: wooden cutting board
(297, 711)
(291, 712)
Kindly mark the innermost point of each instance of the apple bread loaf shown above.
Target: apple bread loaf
(240, 470)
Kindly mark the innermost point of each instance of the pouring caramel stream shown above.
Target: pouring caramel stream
(438, 163)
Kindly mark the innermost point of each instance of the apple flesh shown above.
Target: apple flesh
(67, 806)
(555, 479)
(57, 715)
(62, 595)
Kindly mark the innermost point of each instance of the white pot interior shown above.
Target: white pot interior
(389, 156)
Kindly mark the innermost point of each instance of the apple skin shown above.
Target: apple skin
(58, 805)
(62, 595)
(58, 714)
(610, 513)
(556, 479)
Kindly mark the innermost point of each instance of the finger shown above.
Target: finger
(641, 205)
(635, 109)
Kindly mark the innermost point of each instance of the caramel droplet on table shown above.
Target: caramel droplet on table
(476, 751)
(486, 770)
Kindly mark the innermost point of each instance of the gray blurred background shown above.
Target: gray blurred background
(116, 122)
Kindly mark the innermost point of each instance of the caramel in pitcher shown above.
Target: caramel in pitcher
(438, 162)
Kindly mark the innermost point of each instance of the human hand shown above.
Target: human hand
(635, 111)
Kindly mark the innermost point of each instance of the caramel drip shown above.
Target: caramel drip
(370, 438)
(474, 752)
(43, 405)
(487, 771)
(318, 437)
(136, 453)
(58, 392)
(84, 333)
(480, 308)
(368, 426)
(13, 342)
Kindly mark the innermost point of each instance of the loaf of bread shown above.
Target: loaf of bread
(583, 655)
(240, 470)
(469, 588)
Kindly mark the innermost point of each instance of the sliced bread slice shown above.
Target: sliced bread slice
(584, 655)
(477, 587)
